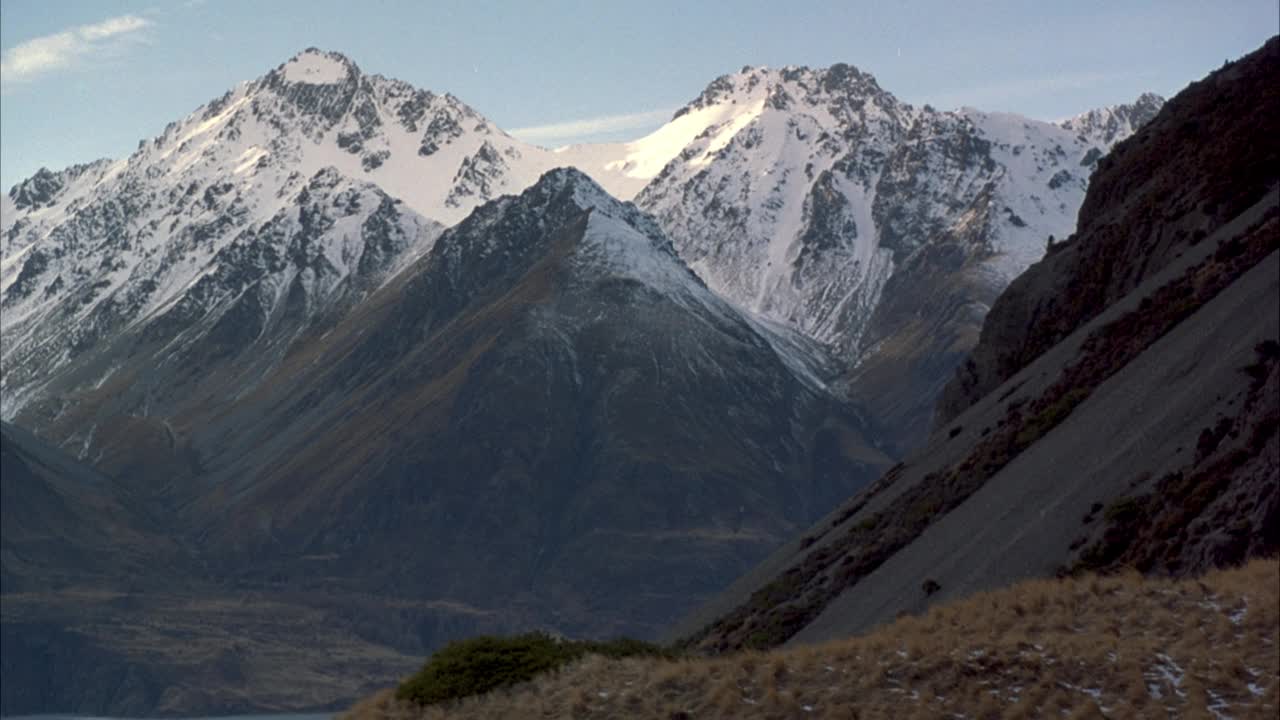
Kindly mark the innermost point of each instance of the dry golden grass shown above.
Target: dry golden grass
(1091, 647)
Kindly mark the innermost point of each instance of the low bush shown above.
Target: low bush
(478, 665)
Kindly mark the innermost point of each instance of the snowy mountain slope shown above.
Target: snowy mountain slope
(812, 186)
(624, 169)
(91, 250)
(796, 194)
(1107, 126)
(100, 288)
(95, 249)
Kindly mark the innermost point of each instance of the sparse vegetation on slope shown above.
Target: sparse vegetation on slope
(478, 665)
(1222, 508)
(1119, 646)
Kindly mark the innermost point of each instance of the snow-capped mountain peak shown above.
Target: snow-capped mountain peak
(1109, 125)
(809, 187)
(707, 124)
(318, 67)
(795, 193)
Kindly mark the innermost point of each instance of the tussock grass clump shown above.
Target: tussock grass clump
(478, 665)
(1117, 646)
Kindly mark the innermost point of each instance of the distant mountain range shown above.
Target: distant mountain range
(795, 194)
(345, 347)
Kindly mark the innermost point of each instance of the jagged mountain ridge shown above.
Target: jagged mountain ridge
(820, 184)
(247, 154)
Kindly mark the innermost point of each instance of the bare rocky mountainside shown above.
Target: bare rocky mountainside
(1122, 409)
(337, 357)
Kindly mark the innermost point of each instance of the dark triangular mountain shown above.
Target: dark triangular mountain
(549, 414)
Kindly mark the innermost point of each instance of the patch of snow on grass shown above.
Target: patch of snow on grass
(1237, 616)
(1167, 671)
(1218, 706)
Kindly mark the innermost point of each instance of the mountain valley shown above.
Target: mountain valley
(337, 358)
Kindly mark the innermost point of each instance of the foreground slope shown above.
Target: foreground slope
(1168, 395)
(1090, 647)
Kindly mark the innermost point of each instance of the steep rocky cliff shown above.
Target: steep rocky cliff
(1203, 159)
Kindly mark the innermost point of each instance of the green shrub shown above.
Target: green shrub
(478, 665)
(626, 647)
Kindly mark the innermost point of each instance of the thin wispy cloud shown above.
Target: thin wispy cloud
(29, 60)
(586, 127)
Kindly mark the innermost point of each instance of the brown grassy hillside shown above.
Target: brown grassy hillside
(1118, 646)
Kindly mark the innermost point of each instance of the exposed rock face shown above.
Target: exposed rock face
(1197, 164)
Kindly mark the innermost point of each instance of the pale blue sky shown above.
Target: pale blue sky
(83, 79)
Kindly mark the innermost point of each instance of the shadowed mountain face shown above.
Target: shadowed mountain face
(63, 521)
(1198, 164)
(548, 413)
(104, 610)
(1122, 409)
